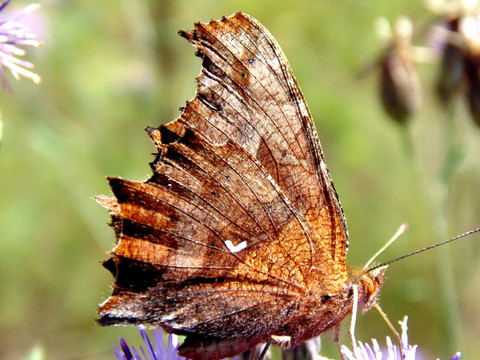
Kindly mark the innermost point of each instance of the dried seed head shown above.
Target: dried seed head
(399, 85)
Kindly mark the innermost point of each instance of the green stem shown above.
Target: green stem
(436, 195)
(450, 299)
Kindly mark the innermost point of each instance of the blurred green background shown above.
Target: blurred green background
(111, 68)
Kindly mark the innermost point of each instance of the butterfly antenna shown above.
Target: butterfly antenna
(399, 232)
(427, 248)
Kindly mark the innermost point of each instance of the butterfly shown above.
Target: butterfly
(238, 237)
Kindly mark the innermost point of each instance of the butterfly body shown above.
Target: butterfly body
(238, 237)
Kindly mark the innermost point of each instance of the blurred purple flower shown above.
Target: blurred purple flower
(457, 37)
(374, 352)
(13, 37)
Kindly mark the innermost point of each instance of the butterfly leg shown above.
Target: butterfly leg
(265, 349)
(353, 321)
(337, 340)
(351, 330)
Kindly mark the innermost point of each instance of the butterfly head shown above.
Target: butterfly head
(369, 283)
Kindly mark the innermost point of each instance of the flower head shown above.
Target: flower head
(13, 37)
(399, 84)
(457, 39)
(150, 352)
(374, 352)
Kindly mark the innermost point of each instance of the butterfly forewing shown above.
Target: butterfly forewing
(248, 93)
(238, 235)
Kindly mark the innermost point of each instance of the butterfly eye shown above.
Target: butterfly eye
(368, 292)
(370, 284)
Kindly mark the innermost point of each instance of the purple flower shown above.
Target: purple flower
(150, 352)
(13, 37)
(374, 352)
(159, 352)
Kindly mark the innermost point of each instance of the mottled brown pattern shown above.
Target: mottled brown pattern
(238, 235)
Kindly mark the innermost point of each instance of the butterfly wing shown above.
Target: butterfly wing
(240, 219)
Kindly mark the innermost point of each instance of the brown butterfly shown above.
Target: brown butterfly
(238, 237)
